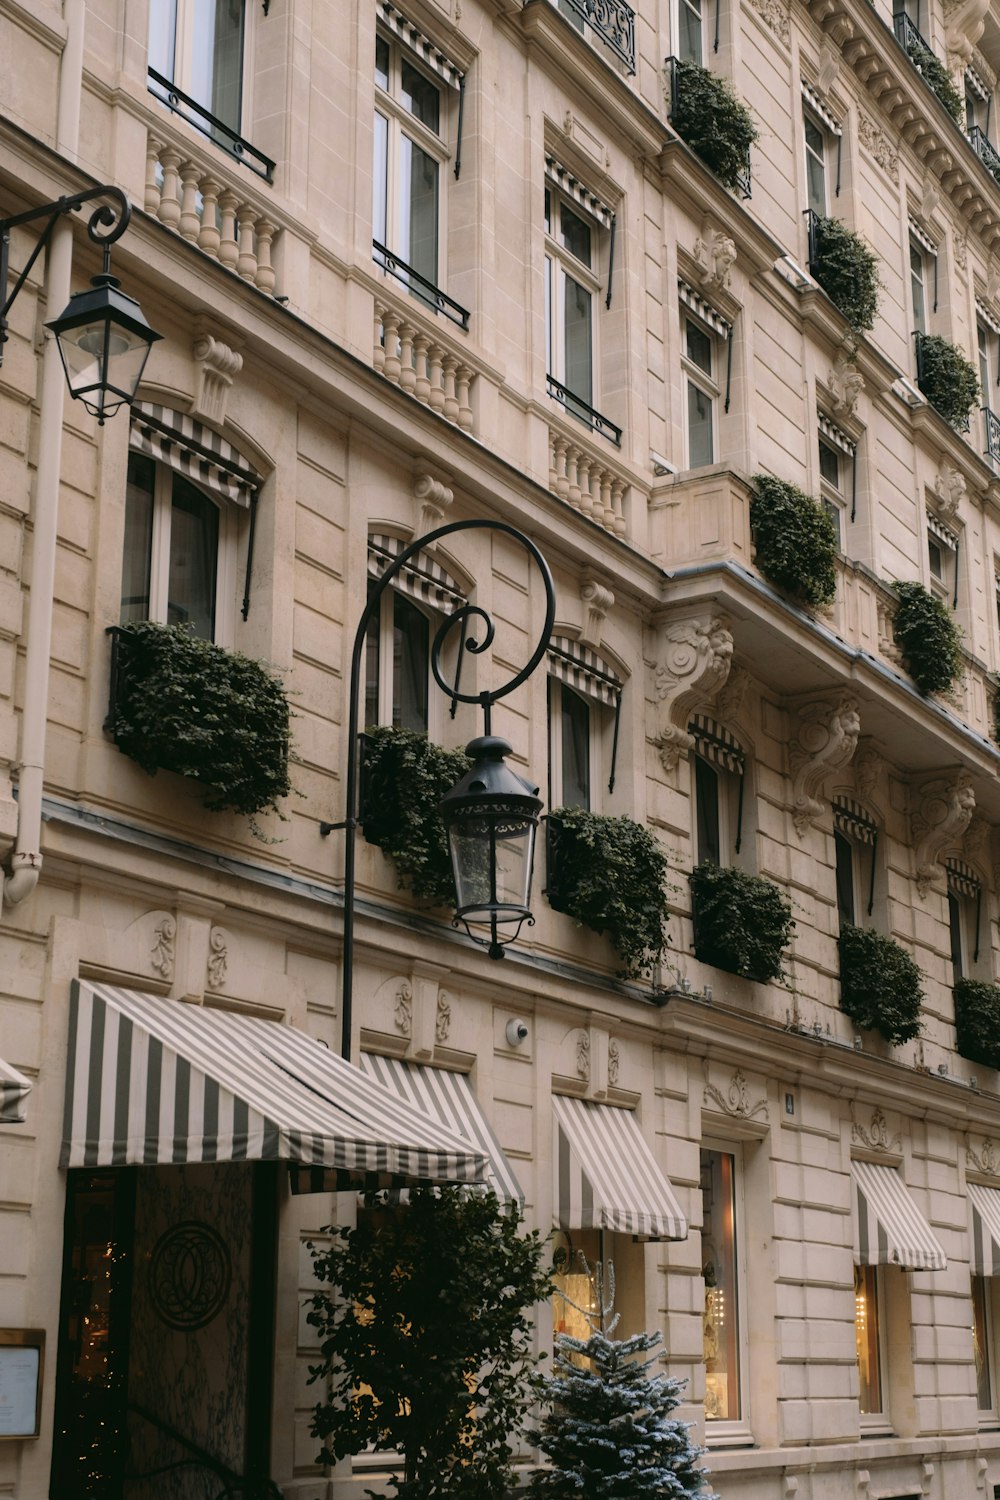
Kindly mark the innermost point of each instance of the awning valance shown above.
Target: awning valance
(570, 184)
(194, 450)
(716, 744)
(606, 1175)
(889, 1227)
(985, 1205)
(153, 1082)
(448, 1098)
(962, 879)
(420, 45)
(851, 819)
(816, 103)
(423, 577)
(692, 299)
(580, 667)
(14, 1088)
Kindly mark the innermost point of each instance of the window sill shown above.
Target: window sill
(733, 1436)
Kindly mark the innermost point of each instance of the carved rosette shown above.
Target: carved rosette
(442, 1019)
(828, 737)
(696, 654)
(986, 1160)
(583, 1055)
(614, 1062)
(161, 955)
(218, 959)
(943, 813)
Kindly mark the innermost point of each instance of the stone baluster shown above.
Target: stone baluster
(265, 271)
(422, 385)
(463, 389)
(151, 197)
(209, 237)
(619, 525)
(378, 348)
(246, 260)
(560, 482)
(573, 456)
(407, 373)
(189, 223)
(450, 365)
(169, 211)
(436, 356)
(586, 473)
(229, 250)
(390, 325)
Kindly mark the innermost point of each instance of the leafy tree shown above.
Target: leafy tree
(426, 1341)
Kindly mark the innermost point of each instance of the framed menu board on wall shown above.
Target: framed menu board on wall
(22, 1352)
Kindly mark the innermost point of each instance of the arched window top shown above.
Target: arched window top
(854, 821)
(717, 745)
(194, 450)
(585, 670)
(424, 577)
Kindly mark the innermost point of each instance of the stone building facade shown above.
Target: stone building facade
(443, 259)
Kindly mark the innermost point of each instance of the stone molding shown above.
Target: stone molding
(944, 810)
(695, 657)
(827, 739)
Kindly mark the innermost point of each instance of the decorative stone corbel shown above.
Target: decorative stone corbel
(715, 256)
(964, 23)
(993, 281)
(434, 495)
(216, 367)
(867, 769)
(828, 737)
(696, 653)
(930, 197)
(829, 66)
(846, 383)
(597, 600)
(943, 813)
(949, 489)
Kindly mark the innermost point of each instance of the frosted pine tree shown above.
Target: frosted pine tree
(609, 1433)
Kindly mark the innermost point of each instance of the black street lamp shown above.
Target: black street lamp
(492, 813)
(104, 340)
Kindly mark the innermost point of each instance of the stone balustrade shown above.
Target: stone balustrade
(192, 198)
(583, 480)
(406, 353)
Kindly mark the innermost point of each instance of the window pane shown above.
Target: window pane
(846, 908)
(574, 1260)
(866, 1312)
(833, 511)
(955, 929)
(575, 736)
(699, 347)
(217, 58)
(419, 209)
(574, 234)
(689, 40)
(815, 167)
(410, 663)
(573, 16)
(372, 664)
(380, 180)
(700, 445)
(917, 288)
(718, 1259)
(381, 62)
(935, 558)
(420, 97)
(578, 376)
(162, 36)
(829, 464)
(981, 1343)
(706, 796)
(138, 538)
(194, 559)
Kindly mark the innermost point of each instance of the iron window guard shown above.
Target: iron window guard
(614, 23)
(744, 179)
(916, 46)
(217, 130)
(425, 291)
(577, 407)
(812, 233)
(987, 153)
(992, 449)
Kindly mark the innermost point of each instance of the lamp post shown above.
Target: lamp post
(492, 813)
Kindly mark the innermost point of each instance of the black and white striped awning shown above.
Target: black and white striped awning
(923, 239)
(943, 533)
(448, 1098)
(716, 744)
(423, 577)
(14, 1088)
(571, 187)
(692, 299)
(606, 1175)
(987, 316)
(194, 450)
(582, 668)
(154, 1082)
(420, 45)
(851, 819)
(820, 109)
(976, 84)
(889, 1228)
(984, 1203)
(962, 879)
(836, 435)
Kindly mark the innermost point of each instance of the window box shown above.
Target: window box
(947, 379)
(931, 69)
(403, 778)
(977, 1022)
(880, 985)
(742, 922)
(928, 638)
(795, 541)
(845, 268)
(706, 113)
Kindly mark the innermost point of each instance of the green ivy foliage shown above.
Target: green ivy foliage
(880, 985)
(185, 705)
(977, 1021)
(795, 540)
(847, 270)
(937, 78)
(707, 114)
(742, 923)
(609, 874)
(948, 380)
(928, 637)
(425, 1330)
(404, 777)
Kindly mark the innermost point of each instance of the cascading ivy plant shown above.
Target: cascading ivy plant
(742, 922)
(928, 637)
(847, 270)
(795, 540)
(185, 705)
(936, 76)
(707, 114)
(977, 1021)
(404, 776)
(947, 379)
(880, 985)
(609, 874)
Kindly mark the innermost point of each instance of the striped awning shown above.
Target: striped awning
(606, 1175)
(14, 1088)
(423, 577)
(923, 239)
(420, 45)
(836, 435)
(194, 450)
(154, 1082)
(889, 1228)
(571, 187)
(977, 85)
(580, 667)
(448, 1098)
(814, 100)
(716, 744)
(850, 819)
(984, 1203)
(943, 533)
(987, 316)
(692, 299)
(962, 878)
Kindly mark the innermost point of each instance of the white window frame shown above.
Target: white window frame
(698, 9)
(989, 1416)
(734, 1432)
(556, 689)
(400, 122)
(920, 248)
(728, 792)
(560, 264)
(832, 494)
(704, 381)
(386, 647)
(877, 1422)
(942, 544)
(185, 38)
(820, 156)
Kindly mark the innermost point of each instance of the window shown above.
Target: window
(723, 1314)
(869, 1340)
(584, 705)
(718, 773)
(569, 747)
(855, 839)
(923, 277)
(402, 632)
(816, 149)
(942, 560)
(699, 363)
(691, 31)
(988, 351)
(832, 485)
(198, 46)
(965, 910)
(983, 1344)
(977, 106)
(573, 247)
(576, 1256)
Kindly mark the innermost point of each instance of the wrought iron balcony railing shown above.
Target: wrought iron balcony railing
(987, 154)
(927, 63)
(991, 423)
(738, 179)
(579, 408)
(812, 234)
(612, 20)
(425, 291)
(217, 130)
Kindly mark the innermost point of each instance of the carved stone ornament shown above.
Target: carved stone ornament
(216, 367)
(218, 958)
(403, 1011)
(977, 837)
(715, 256)
(876, 1134)
(943, 813)
(442, 1019)
(846, 384)
(867, 769)
(162, 952)
(730, 699)
(829, 66)
(434, 495)
(986, 1160)
(736, 1100)
(776, 17)
(696, 653)
(597, 600)
(878, 146)
(614, 1062)
(583, 1054)
(828, 737)
(949, 489)
(964, 23)
(993, 281)
(961, 244)
(930, 197)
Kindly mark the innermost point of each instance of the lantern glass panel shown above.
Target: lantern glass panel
(492, 859)
(105, 361)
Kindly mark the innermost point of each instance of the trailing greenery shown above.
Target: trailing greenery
(795, 540)
(847, 270)
(707, 114)
(977, 1021)
(937, 78)
(926, 634)
(880, 985)
(609, 875)
(404, 776)
(425, 1329)
(182, 704)
(947, 379)
(742, 923)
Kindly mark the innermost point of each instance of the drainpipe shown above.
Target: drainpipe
(26, 860)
